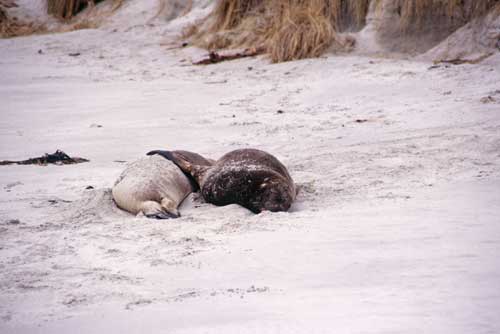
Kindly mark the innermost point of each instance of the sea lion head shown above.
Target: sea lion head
(274, 195)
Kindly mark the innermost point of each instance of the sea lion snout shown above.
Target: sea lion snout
(276, 197)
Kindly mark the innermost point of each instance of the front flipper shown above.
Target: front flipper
(176, 158)
(193, 171)
(166, 154)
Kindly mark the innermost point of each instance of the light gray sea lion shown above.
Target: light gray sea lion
(154, 186)
(251, 178)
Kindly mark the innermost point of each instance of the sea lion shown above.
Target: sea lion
(154, 186)
(251, 178)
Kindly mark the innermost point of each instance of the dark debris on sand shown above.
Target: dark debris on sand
(57, 158)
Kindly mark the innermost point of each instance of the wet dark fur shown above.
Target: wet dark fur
(251, 178)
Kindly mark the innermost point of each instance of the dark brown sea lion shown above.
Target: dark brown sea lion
(251, 178)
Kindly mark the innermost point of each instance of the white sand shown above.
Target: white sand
(396, 228)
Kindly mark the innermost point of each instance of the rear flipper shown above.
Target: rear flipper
(152, 209)
(162, 215)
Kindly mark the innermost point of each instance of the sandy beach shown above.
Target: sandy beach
(395, 229)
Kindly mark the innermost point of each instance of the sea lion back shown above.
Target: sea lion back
(148, 181)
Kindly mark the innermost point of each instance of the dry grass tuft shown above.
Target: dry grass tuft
(3, 16)
(286, 29)
(67, 9)
(89, 15)
(304, 33)
(12, 26)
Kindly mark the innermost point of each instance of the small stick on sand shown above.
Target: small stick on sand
(214, 57)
